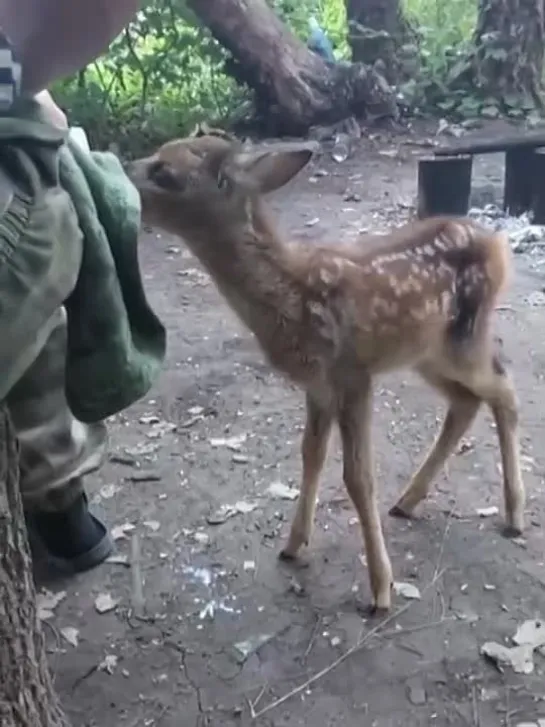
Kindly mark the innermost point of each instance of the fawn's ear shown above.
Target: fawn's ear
(271, 166)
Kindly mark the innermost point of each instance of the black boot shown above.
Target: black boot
(74, 539)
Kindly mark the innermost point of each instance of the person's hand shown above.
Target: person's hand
(52, 112)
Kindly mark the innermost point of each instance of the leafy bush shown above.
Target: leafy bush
(165, 73)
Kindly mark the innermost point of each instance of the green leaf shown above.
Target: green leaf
(513, 100)
(496, 54)
(490, 112)
(469, 107)
(448, 104)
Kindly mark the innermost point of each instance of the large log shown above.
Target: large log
(294, 87)
(27, 697)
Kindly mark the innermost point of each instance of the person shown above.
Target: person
(40, 260)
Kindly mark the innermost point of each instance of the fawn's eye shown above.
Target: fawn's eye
(164, 176)
(155, 168)
(223, 182)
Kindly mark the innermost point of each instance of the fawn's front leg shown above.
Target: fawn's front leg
(355, 412)
(314, 449)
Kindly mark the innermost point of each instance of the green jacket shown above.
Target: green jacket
(116, 343)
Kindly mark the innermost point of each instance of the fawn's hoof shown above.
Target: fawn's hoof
(396, 511)
(511, 531)
(371, 610)
(287, 556)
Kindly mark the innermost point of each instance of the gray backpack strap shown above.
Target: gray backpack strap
(10, 74)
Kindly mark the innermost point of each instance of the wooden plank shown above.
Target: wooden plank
(444, 186)
(520, 140)
(538, 187)
(519, 181)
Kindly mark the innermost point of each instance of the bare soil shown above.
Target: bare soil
(210, 587)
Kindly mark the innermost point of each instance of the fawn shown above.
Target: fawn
(331, 317)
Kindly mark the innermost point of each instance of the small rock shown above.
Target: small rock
(201, 538)
(143, 476)
(417, 695)
(106, 492)
(233, 443)
(245, 648)
(240, 459)
(118, 560)
(71, 635)
(104, 603)
(225, 512)
(108, 664)
(47, 602)
(152, 525)
(120, 531)
(487, 511)
(407, 590)
(123, 459)
(531, 632)
(519, 658)
(282, 492)
(296, 587)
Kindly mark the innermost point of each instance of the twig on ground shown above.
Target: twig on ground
(253, 705)
(138, 604)
(476, 714)
(312, 638)
(350, 652)
(414, 629)
(443, 541)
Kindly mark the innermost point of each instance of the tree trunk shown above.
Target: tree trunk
(376, 30)
(509, 50)
(294, 87)
(27, 697)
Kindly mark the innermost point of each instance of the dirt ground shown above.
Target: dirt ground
(225, 630)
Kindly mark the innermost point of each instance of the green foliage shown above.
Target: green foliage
(448, 81)
(165, 73)
(331, 14)
(161, 76)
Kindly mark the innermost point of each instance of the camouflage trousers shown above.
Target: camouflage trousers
(40, 257)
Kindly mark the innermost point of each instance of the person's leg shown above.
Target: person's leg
(56, 451)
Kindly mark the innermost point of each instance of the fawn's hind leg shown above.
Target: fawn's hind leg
(463, 407)
(314, 449)
(496, 387)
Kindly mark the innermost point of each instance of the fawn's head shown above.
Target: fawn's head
(209, 183)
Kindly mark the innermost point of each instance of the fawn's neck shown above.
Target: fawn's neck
(252, 271)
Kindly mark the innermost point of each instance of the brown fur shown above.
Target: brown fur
(331, 317)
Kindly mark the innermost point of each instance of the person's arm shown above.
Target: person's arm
(55, 38)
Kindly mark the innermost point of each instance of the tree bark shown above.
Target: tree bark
(376, 30)
(509, 40)
(27, 697)
(294, 87)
